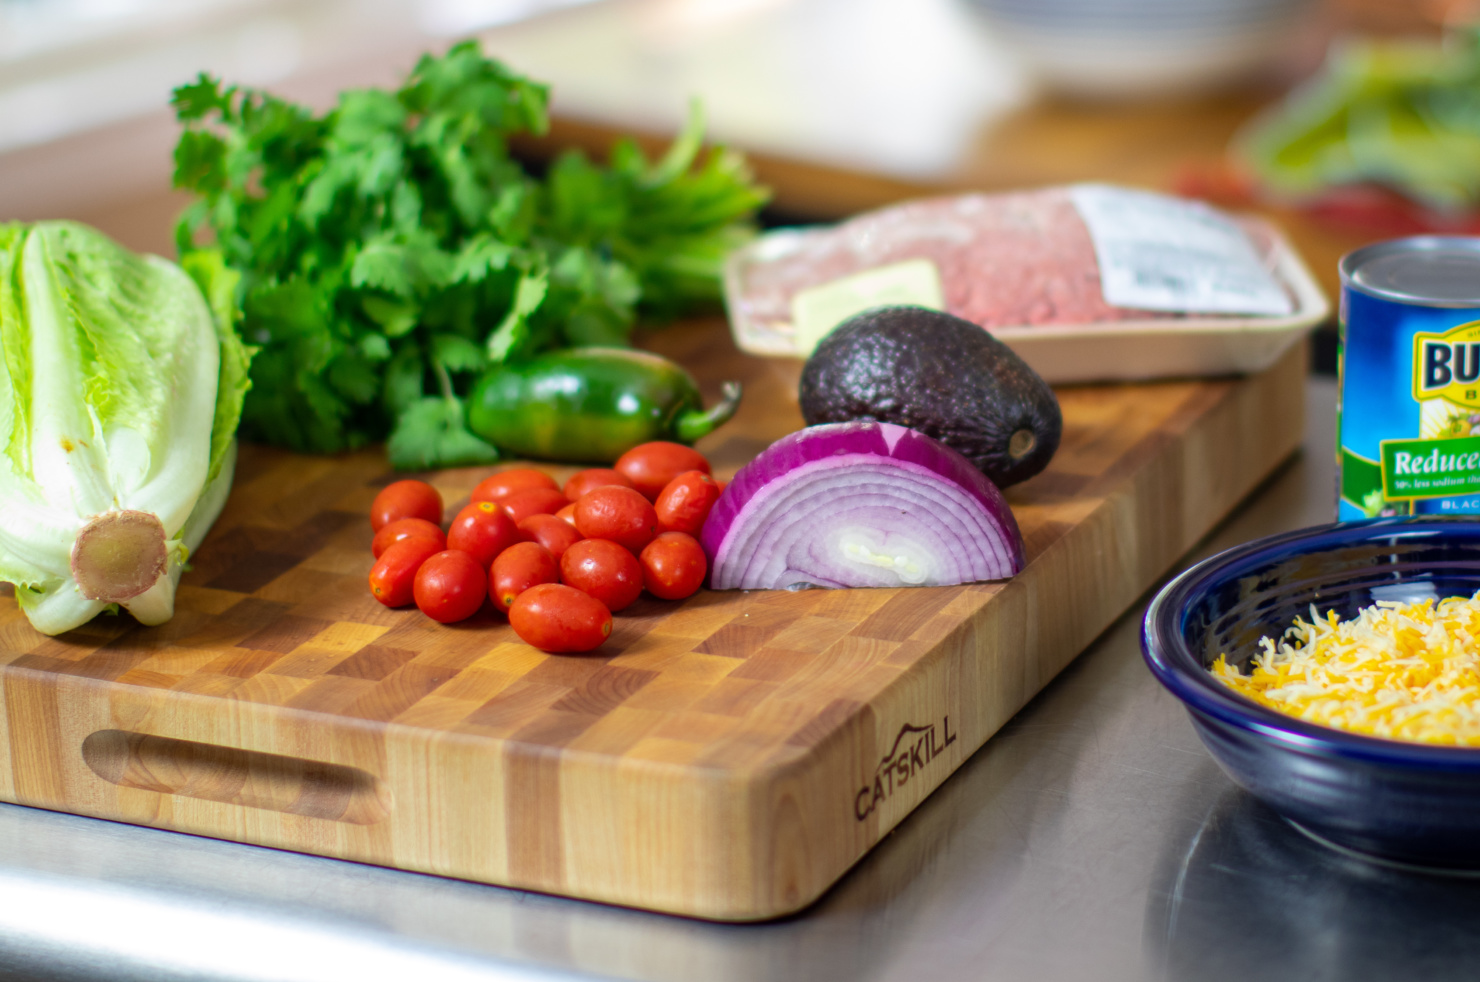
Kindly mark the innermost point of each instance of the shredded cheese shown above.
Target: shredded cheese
(1396, 670)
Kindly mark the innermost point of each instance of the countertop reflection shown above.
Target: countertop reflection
(1250, 897)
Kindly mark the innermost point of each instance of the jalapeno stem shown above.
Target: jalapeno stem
(690, 426)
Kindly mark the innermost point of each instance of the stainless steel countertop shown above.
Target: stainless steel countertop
(1092, 838)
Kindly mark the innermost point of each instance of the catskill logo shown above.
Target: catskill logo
(1447, 365)
(914, 747)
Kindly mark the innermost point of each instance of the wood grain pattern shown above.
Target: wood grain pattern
(728, 756)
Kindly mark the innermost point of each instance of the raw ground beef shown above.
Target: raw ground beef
(1005, 260)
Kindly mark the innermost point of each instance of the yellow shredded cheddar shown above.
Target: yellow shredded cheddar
(1404, 671)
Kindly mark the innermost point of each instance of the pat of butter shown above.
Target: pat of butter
(819, 309)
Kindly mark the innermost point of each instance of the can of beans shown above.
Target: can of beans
(1410, 379)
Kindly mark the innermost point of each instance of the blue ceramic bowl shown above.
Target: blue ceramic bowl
(1407, 802)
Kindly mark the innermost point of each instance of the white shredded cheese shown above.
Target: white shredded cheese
(1405, 671)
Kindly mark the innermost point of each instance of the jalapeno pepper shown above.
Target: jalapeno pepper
(592, 404)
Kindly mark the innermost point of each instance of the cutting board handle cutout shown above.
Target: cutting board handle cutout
(249, 778)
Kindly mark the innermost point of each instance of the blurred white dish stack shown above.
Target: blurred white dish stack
(1109, 49)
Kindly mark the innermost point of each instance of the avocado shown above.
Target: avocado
(941, 375)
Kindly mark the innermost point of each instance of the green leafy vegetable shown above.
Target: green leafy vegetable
(121, 384)
(391, 249)
(1405, 115)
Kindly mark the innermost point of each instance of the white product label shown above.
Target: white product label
(1162, 253)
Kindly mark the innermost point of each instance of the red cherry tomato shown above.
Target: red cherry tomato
(595, 477)
(673, 566)
(685, 502)
(482, 530)
(650, 466)
(517, 568)
(533, 501)
(406, 528)
(505, 483)
(450, 586)
(619, 514)
(567, 514)
(405, 499)
(553, 533)
(394, 573)
(604, 570)
(554, 617)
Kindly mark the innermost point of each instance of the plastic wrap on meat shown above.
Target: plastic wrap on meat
(1005, 260)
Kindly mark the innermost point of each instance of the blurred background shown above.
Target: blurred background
(841, 104)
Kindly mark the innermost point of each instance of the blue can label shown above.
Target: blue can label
(1410, 401)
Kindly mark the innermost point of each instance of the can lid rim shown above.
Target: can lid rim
(1357, 258)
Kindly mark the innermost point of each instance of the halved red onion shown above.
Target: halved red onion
(859, 504)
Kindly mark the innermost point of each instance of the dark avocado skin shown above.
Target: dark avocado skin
(941, 375)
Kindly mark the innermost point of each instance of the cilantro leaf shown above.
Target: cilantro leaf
(395, 317)
(195, 100)
(513, 330)
(456, 353)
(199, 159)
(405, 265)
(433, 432)
(403, 380)
(480, 256)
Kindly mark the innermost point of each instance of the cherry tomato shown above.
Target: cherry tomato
(482, 530)
(532, 501)
(394, 573)
(551, 532)
(555, 617)
(596, 477)
(619, 514)
(405, 499)
(406, 528)
(604, 570)
(568, 514)
(505, 483)
(517, 568)
(673, 566)
(450, 586)
(685, 502)
(650, 466)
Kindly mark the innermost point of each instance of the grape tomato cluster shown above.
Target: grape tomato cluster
(559, 560)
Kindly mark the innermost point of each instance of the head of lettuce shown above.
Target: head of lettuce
(121, 383)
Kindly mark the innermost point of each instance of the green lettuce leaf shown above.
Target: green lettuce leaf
(219, 284)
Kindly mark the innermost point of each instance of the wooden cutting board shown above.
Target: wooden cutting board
(728, 756)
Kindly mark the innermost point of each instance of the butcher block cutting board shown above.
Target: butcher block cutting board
(728, 756)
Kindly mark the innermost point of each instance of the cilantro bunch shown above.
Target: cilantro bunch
(392, 249)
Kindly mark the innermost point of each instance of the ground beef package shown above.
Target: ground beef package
(1041, 265)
